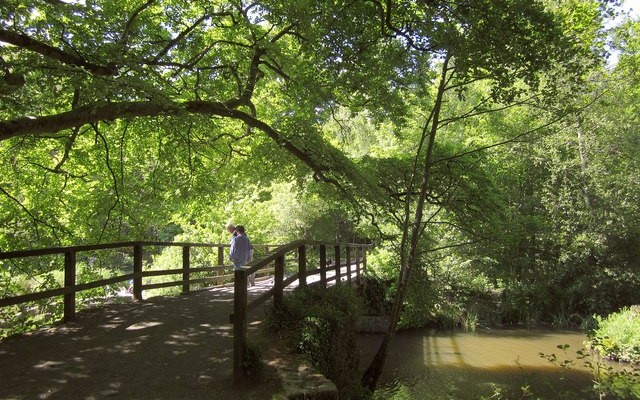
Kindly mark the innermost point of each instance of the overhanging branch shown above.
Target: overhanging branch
(25, 42)
(87, 114)
(109, 111)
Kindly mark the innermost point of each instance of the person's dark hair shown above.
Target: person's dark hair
(240, 229)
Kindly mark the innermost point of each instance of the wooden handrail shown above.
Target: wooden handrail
(70, 287)
(241, 305)
(61, 250)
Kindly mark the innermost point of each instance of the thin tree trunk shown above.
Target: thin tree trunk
(583, 165)
(410, 237)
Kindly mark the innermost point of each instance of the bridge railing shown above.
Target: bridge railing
(348, 266)
(188, 274)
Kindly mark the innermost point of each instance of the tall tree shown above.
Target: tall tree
(508, 44)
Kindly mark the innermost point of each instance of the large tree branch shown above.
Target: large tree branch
(108, 111)
(213, 108)
(87, 114)
(254, 75)
(46, 50)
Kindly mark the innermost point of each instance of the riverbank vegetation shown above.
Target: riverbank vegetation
(321, 324)
(488, 149)
(617, 337)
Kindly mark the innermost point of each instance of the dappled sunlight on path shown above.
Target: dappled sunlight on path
(163, 348)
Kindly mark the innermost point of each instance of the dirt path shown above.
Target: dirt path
(163, 348)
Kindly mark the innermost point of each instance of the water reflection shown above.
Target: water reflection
(428, 365)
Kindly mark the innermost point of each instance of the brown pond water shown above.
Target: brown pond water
(426, 365)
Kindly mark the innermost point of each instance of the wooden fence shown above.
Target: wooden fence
(335, 270)
(71, 286)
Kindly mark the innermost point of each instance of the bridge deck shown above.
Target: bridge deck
(163, 348)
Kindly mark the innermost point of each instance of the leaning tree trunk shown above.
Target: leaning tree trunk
(583, 165)
(412, 231)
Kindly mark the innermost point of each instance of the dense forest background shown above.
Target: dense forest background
(488, 149)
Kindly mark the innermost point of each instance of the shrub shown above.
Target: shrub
(617, 336)
(252, 364)
(610, 380)
(321, 323)
(377, 295)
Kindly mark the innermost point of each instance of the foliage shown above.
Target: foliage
(376, 294)
(23, 276)
(382, 261)
(30, 317)
(617, 336)
(252, 364)
(619, 381)
(321, 323)
(397, 392)
(448, 292)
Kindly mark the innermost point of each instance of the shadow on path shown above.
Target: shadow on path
(162, 348)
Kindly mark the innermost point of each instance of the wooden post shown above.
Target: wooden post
(220, 272)
(337, 261)
(186, 264)
(359, 250)
(302, 265)
(348, 258)
(220, 255)
(323, 265)
(239, 323)
(137, 271)
(69, 282)
(278, 279)
(364, 259)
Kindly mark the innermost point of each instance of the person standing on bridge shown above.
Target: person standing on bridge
(240, 251)
(234, 233)
(231, 228)
(252, 277)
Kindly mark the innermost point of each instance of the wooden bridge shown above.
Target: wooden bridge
(297, 263)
